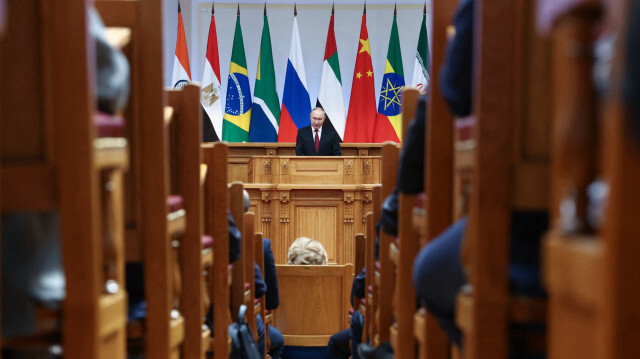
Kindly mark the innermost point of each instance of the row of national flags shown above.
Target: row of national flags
(262, 119)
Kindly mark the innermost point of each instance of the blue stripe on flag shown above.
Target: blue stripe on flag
(296, 98)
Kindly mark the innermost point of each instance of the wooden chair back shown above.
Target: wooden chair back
(317, 292)
(260, 305)
(216, 223)
(585, 265)
(510, 171)
(385, 275)
(186, 175)
(439, 178)
(371, 293)
(53, 161)
(403, 252)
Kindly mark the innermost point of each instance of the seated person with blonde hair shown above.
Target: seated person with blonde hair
(307, 251)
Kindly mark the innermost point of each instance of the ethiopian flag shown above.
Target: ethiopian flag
(388, 126)
(237, 113)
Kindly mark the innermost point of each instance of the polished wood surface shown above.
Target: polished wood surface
(321, 170)
(240, 154)
(316, 305)
(324, 198)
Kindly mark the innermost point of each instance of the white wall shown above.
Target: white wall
(313, 22)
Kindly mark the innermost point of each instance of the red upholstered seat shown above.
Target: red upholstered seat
(256, 301)
(108, 125)
(370, 289)
(247, 286)
(465, 128)
(207, 242)
(174, 202)
(421, 200)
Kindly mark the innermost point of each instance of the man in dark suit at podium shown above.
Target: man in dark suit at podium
(317, 139)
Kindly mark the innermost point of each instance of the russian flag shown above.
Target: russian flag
(296, 105)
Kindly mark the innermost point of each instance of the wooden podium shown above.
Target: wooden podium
(324, 198)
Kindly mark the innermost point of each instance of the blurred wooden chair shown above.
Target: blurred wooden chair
(216, 223)
(384, 270)
(510, 173)
(59, 155)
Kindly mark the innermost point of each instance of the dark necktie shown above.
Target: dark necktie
(317, 141)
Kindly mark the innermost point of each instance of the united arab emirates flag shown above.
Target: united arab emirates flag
(330, 96)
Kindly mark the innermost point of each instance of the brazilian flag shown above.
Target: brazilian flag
(237, 113)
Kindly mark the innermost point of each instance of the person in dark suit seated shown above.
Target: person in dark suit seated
(269, 288)
(318, 139)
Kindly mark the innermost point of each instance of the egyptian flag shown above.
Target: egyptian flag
(330, 96)
(422, 66)
(296, 105)
(265, 114)
(181, 71)
(362, 104)
(237, 113)
(388, 125)
(210, 92)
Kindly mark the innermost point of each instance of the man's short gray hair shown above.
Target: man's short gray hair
(307, 251)
(319, 109)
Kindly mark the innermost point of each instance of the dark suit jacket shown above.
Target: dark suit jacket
(273, 296)
(329, 142)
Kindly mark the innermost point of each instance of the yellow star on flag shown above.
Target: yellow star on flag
(369, 73)
(365, 46)
(390, 94)
(358, 75)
